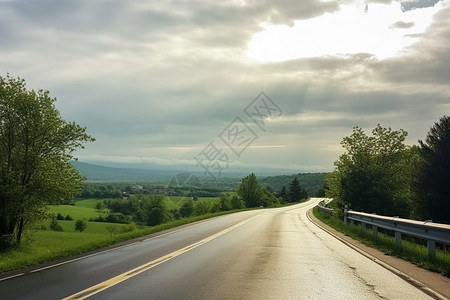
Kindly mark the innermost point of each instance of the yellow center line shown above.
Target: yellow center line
(145, 267)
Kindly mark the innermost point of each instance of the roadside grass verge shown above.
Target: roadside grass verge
(45, 245)
(410, 251)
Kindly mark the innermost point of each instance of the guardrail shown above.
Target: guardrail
(431, 232)
(324, 209)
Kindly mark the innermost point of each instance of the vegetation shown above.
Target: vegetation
(44, 244)
(410, 250)
(36, 147)
(312, 183)
(433, 180)
(255, 195)
(380, 174)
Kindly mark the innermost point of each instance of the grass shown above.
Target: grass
(45, 245)
(410, 251)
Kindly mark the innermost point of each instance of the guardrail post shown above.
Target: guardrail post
(375, 231)
(431, 248)
(363, 227)
(398, 239)
(345, 215)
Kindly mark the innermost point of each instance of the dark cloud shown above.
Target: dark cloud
(147, 76)
(416, 4)
(401, 24)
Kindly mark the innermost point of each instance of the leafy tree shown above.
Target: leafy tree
(250, 191)
(225, 202)
(236, 202)
(155, 210)
(372, 175)
(202, 208)
(187, 209)
(296, 193)
(36, 147)
(80, 225)
(433, 186)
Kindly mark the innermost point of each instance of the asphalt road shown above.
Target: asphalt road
(262, 254)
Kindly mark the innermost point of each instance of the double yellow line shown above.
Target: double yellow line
(145, 267)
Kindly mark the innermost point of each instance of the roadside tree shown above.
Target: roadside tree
(250, 191)
(373, 174)
(433, 186)
(36, 147)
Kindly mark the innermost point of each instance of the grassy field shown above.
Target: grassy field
(410, 251)
(39, 246)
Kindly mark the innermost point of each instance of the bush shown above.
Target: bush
(55, 226)
(68, 218)
(202, 208)
(80, 225)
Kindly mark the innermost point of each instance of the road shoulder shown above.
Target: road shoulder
(434, 284)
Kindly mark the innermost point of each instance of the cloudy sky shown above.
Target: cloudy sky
(178, 83)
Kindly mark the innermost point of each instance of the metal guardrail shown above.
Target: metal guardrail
(324, 209)
(431, 232)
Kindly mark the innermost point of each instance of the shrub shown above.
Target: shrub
(55, 226)
(80, 225)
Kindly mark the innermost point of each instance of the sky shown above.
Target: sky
(223, 86)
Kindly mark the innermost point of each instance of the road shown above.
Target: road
(262, 254)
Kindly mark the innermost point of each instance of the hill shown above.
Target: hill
(101, 173)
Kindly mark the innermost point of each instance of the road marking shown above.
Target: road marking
(145, 267)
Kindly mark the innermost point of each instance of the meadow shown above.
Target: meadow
(42, 244)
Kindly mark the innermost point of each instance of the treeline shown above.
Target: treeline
(150, 209)
(380, 174)
(312, 183)
(102, 190)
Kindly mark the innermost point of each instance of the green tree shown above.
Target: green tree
(296, 193)
(373, 175)
(433, 185)
(236, 202)
(225, 202)
(55, 226)
(250, 191)
(80, 225)
(155, 209)
(202, 208)
(187, 209)
(36, 147)
(283, 193)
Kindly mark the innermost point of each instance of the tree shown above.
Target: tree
(80, 225)
(283, 193)
(236, 202)
(250, 191)
(433, 185)
(296, 193)
(373, 174)
(36, 147)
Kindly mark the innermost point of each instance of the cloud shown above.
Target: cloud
(155, 82)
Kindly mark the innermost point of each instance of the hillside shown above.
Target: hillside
(312, 182)
(101, 173)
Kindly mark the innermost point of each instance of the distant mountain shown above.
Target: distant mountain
(101, 173)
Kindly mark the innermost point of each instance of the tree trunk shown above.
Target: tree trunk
(19, 231)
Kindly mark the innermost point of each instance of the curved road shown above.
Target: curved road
(263, 254)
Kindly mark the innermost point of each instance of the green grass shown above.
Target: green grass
(46, 245)
(410, 251)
